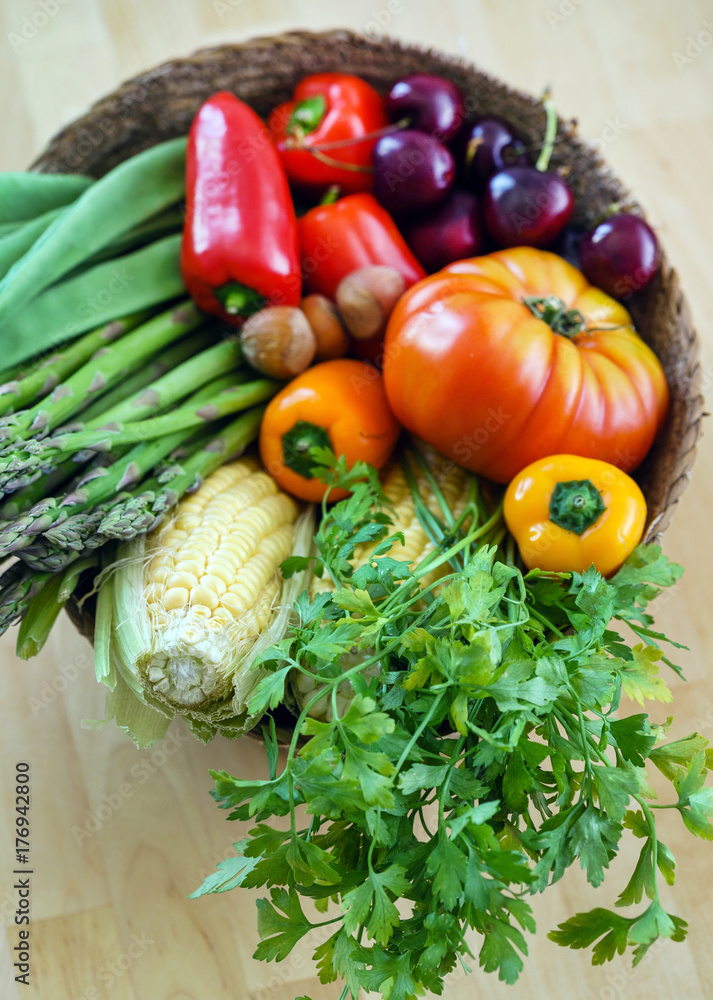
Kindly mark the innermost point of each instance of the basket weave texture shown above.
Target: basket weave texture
(161, 103)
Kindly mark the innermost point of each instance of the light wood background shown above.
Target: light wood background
(110, 914)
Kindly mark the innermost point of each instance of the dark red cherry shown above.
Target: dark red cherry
(431, 103)
(488, 145)
(412, 171)
(567, 244)
(527, 207)
(453, 231)
(620, 255)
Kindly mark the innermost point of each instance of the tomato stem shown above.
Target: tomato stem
(554, 312)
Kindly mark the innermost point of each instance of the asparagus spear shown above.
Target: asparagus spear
(43, 455)
(141, 512)
(17, 394)
(26, 490)
(174, 355)
(175, 385)
(130, 468)
(101, 372)
(75, 509)
(18, 585)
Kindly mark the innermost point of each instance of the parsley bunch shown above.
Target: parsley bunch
(480, 755)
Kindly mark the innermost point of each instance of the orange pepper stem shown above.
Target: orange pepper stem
(553, 311)
(296, 445)
(576, 505)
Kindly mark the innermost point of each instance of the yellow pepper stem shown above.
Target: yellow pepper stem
(576, 505)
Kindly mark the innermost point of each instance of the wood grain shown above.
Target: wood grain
(120, 838)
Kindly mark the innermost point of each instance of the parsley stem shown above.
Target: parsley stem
(433, 560)
(654, 843)
(417, 735)
(547, 622)
(585, 745)
(432, 482)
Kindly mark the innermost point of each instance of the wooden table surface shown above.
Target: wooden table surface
(119, 838)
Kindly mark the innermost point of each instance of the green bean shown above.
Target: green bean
(8, 228)
(128, 195)
(26, 195)
(15, 246)
(146, 278)
(164, 224)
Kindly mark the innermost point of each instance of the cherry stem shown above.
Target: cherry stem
(341, 143)
(543, 160)
(331, 162)
(615, 208)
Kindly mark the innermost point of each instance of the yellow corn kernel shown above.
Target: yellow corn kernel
(176, 597)
(180, 578)
(204, 597)
(213, 583)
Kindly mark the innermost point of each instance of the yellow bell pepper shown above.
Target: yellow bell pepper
(568, 513)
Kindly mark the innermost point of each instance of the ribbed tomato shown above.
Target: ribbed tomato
(501, 360)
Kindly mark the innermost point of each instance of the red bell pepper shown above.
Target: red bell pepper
(240, 247)
(338, 238)
(329, 108)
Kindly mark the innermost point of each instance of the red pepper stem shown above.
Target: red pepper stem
(239, 300)
(331, 195)
(543, 160)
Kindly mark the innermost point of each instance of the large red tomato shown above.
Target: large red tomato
(502, 360)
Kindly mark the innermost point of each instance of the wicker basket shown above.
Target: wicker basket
(161, 103)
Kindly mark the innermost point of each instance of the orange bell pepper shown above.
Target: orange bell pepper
(338, 404)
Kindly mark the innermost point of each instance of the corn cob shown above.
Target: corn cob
(195, 599)
(453, 482)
